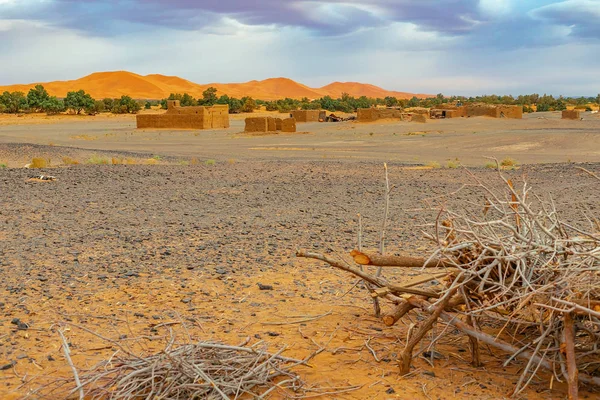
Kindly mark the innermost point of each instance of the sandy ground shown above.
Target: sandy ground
(120, 249)
(537, 138)
(129, 251)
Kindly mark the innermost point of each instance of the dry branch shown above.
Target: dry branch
(517, 266)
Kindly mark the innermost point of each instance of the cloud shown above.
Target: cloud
(449, 46)
(581, 17)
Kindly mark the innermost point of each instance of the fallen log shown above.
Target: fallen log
(378, 281)
(380, 260)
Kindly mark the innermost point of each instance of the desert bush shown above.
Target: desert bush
(210, 162)
(508, 163)
(69, 161)
(148, 105)
(97, 160)
(151, 161)
(433, 165)
(184, 162)
(194, 161)
(3, 165)
(453, 164)
(116, 161)
(38, 162)
(490, 165)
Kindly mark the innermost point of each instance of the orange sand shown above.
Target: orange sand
(118, 83)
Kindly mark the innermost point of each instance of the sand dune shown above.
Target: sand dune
(155, 86)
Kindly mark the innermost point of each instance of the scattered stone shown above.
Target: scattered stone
(273, 334)
(429, 373)
(186, 300)
(264, 287)
(7, 366)
(390, 391)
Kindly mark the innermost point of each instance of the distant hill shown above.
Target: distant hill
(118, 83)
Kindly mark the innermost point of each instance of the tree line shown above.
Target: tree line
(38, 100)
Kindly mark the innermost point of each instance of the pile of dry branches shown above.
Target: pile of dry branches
(202, 370)
(517, 278)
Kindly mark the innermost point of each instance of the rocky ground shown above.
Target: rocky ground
(130, 252)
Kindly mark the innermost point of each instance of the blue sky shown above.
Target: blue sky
(449, 46)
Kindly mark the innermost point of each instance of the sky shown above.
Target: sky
(462, 47)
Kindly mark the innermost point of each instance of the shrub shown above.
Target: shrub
(433, 165)
(508, 163)
(38, 163)
(97, 160)
(194, 161)
(151, 161)
(2, 165)
(453, 164)
(116, 161)
(490, 165)
(69, 161)
(210, 162)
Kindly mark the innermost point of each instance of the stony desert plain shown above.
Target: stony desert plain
(176, 238)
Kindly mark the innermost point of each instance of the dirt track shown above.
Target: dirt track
(119, 248)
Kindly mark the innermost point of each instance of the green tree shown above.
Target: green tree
(148, 105)
(52, 106)
(108, 103)
(249, 105)
(78, 101)
(187, 100)
(209, 96)
(390, 101)
(14, 102)
(36, 97)
(126, 105)
(235, 106)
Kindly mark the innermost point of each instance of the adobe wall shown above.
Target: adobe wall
(305, 115)
(164, 121)
(257, 124)
(186, 117)
(269, 124)
(495, 111)
(419, 118)
(571, 114)
(373, 114)
(514, 112)
(482, 110)
(288, 125)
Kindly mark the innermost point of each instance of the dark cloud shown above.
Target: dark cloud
(333, 17)
(582, 17)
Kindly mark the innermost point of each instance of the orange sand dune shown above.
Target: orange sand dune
(118, 83)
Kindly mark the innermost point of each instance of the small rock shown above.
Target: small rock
(131, 273)
(273, 334)
(186, 300)
(7, 366)
(264, 287)
(50, 358)
(22, 356)
(429, 373)
(221, 271)
(42, 278)
(390, 391)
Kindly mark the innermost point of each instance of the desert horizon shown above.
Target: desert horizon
(115, 84)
